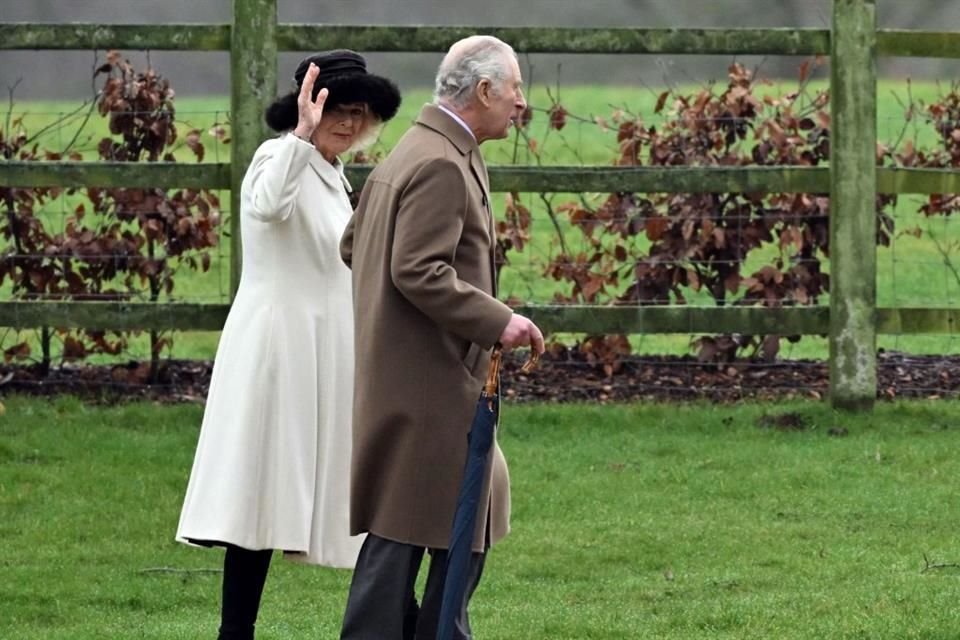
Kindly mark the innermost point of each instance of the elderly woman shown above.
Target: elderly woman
(272, 463)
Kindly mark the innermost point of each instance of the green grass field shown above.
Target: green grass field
(630, 522)
(910, 273)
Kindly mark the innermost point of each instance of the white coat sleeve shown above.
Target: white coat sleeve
(273, 178)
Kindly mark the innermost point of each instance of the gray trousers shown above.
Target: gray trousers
(382, 605)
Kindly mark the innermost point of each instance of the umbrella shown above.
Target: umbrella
(479, 442)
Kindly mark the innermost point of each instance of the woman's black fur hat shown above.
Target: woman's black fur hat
(344, 74)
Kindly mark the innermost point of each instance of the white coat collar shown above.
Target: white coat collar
(332, 174)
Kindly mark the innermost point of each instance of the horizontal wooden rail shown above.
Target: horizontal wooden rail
(918, 44)
(311, 37)
(917, 320)
(645, 179)
(435, 39)
(502, 178)
(552, 318)
(113, 315)
(115, 174)
(923, 181)
(181, 37)
(679, 319)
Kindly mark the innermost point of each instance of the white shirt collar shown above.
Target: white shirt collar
(458, 119)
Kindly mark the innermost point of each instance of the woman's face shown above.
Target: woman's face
(340, 127)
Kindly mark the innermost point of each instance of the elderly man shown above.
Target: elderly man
(421, 246)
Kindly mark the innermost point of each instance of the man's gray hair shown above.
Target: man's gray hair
(467, 63)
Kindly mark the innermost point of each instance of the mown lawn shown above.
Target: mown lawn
(635, 522)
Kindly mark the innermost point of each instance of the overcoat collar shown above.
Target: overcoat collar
(434, 118)
(332, 174)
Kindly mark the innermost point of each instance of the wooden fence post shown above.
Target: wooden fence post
(853, 221)
(253, 85)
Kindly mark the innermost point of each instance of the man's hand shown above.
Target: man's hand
(520, 332)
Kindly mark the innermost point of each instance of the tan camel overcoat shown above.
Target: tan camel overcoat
(421, 247)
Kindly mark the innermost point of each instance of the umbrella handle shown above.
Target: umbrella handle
(496, 359)
(531, 362)
(493, 374)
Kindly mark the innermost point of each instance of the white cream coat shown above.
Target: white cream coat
(272, 466)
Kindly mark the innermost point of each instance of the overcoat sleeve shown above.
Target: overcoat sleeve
(430, 220)
(273, 178)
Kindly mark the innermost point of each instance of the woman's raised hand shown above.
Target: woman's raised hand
(310, 110)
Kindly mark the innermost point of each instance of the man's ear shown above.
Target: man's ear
(485, 91)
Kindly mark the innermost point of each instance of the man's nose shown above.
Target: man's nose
(521, 103)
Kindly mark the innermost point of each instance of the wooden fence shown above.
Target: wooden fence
(853, 43)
